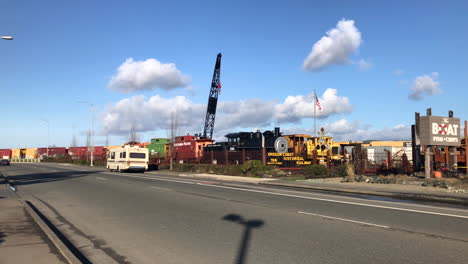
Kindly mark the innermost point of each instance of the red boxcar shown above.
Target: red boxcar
(5, 153)
(189, 148)
(53, 151)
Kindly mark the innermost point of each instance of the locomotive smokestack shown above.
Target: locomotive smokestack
(277, 131)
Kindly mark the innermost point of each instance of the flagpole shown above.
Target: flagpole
(315, 124)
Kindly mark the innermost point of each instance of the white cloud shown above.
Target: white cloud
(150, 114)
(365, 65)
(425, 84)
(245, 114)
(344, 130)
(154, 113)
(335, 47)
(133, 76)
(296, 107)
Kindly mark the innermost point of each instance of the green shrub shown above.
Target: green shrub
(255, 167)
(278, 173)
(235, 170)
(315, 171)
(337, 171)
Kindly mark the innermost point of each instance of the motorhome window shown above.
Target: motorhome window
(135, 155)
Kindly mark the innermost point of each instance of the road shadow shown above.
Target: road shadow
(248, 226)
(43, 177)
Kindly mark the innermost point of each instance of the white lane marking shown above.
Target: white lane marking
(343, 219)
(150, 178)
(159, 188)
(337, 201)
(353, 198)
(207, 182)
(387, 202)
(99, 178)
(304, 197)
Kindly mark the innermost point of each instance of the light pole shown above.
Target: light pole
(7, 37)
(48, 134)
(91, 164)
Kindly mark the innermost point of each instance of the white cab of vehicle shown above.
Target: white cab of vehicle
(128, 158)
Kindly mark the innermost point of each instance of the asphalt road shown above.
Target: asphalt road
(144, 218)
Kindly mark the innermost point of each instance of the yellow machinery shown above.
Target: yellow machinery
(324, 147)
(298, 142)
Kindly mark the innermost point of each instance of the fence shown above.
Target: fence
(24, 160)
(373, 161)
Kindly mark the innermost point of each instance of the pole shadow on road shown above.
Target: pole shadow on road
(2, 236)
(248, 226)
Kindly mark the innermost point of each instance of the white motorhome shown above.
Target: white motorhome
(128, 158)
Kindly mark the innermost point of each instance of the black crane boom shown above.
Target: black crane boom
(213, 100)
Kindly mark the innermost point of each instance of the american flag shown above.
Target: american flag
(317, 102)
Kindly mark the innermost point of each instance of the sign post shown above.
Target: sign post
(437, 131)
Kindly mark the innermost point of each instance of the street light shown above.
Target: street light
(91, 164)
(7, 37)
(48, 134)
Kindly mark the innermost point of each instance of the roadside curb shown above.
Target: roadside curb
(397, 195)
(227, 178)
(59, 244)
(54, 238)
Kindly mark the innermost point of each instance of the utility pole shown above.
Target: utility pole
(92, 131)
(91, 149)
(315, 121)
(48, 134)
(173, 132)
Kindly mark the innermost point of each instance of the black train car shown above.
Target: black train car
(240, 147)
(247, 141)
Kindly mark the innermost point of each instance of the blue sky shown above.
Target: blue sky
(65, 52)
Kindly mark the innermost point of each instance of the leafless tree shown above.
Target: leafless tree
(88, 138)
(74, 142)
(133, 135)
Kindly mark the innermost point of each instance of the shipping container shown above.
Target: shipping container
(5, 153)
(78, 153)
(31, 153)
(15, 153)
(83, 153)
(52, 151)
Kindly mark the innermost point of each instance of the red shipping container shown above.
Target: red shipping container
(53, 151)
(5, 153)
(83, 153)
